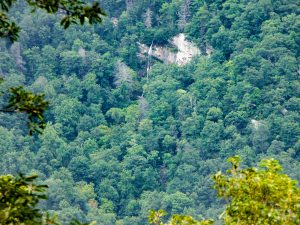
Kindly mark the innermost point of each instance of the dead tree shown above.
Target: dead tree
(16, 53)
(184, 13)
(122, 74)
(148, 18)
(129, 4)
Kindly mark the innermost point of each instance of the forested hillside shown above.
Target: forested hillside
(129, 131)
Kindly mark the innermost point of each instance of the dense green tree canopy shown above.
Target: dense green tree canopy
(126, 132)
(19, 197)
(24, 101)
(72, 12)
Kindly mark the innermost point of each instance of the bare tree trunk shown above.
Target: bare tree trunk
(184, 13)
(129, 4)
(143, 106)
(122, 74)
(16, 53)
(148, 18)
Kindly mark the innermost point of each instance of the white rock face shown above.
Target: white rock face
(256, 124)
(184, 53)
(186, 50)
(164, 54)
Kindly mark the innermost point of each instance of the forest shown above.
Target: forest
(145, 107)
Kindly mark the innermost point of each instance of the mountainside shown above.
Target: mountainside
(145, 107)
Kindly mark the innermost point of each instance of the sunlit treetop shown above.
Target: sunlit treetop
(156, 217)
(257, 196)
(262, 195)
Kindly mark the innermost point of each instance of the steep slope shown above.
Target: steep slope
(118, 142)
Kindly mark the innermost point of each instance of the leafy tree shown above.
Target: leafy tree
(19, 197)
(155, 218)
(258, 196)
(26, 102)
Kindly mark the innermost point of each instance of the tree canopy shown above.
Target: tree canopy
(75, 11)
(253, 196)
(19, 197)
(129, 131)
(20, 100)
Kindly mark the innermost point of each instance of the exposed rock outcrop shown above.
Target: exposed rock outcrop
(182, 52)
(256, 124)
